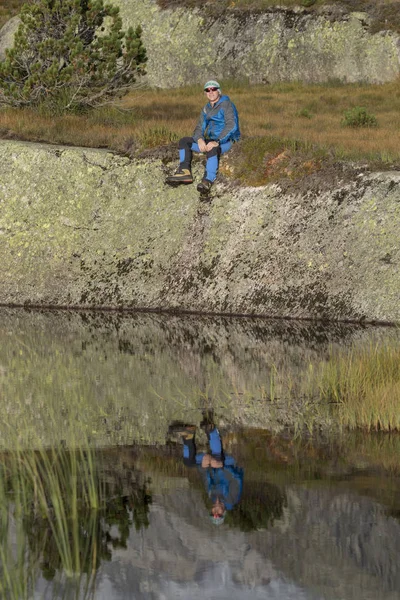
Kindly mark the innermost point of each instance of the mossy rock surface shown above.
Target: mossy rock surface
(7, 33)
(187, 46)
(88, 228)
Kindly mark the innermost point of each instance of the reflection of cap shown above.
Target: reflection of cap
(217, 520)
(212, 83)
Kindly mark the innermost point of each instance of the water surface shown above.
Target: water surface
(96, 500)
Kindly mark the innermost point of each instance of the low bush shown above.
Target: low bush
(70, 55)
(358, 117)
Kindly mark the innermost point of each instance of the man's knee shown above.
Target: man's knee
(185, 142)
(214, 152)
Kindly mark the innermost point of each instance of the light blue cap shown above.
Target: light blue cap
(217, 520)
(212, 83)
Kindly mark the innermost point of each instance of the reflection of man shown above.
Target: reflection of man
(222, 478)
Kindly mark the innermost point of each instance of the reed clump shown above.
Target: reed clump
(362, 387)
(57, 507)
(47, 500)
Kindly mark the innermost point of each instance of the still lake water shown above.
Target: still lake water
(306, 519)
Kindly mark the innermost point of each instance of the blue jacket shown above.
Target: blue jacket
(219, 122)
(225, 483)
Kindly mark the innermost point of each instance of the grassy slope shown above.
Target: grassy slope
(277, 122)
(8, 9)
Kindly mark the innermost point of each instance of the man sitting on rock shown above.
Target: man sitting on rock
(215, 132)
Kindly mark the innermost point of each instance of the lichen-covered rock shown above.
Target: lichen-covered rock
(190, 45)
(186, 46)
(85, 227)
(7, 33)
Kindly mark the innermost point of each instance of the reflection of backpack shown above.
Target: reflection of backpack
(235, 137)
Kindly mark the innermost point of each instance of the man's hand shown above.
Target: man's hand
(210, 461)
(202, 145)
(211, 145)
(206, 461)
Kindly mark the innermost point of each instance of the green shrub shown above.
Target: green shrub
(358, 117)
(70, 54)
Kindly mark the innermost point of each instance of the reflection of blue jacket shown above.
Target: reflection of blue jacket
(219, 122)
(225, 483)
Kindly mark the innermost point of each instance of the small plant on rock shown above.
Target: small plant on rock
(358, 117)
(70, 54)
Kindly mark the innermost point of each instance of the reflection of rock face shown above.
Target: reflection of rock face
(184, 46)
(340, 541)
(127, 376)
(330, 545)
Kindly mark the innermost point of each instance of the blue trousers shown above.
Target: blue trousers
(190, 458)
(187, 146)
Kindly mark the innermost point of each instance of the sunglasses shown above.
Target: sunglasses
(212, 89)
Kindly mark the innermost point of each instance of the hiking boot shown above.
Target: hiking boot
(182, 429)
(204, 186)
(181, 175)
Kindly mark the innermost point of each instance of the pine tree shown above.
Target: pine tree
(69, 54)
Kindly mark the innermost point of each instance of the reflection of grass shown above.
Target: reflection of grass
(378, 451)
(43, 496)
(58, 506)
(364, 387)
(51, 498)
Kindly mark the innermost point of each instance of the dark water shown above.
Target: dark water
(99, 500)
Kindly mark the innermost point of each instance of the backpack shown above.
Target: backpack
(235, 137)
